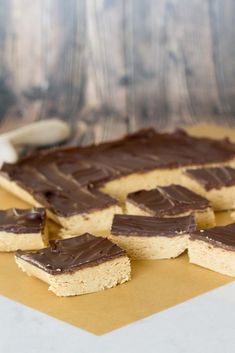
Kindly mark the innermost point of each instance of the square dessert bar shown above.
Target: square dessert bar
(22, 229)
(79, 265)
(171, 201)
(214, 249)
(78, 185)
(216, 184)
(152, 237)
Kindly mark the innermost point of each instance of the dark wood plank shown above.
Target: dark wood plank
(111, 67)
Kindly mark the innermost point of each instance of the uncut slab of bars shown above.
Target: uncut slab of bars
(80, 186)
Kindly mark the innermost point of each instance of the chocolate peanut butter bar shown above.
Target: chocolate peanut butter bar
(77, 185)
(22, 229)
(171, 201)
(214, 249)
(79, 265)
(216, 184)
(77, 207)
(152, 237)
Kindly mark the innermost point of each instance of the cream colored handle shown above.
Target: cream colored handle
(40, 133)
(7, 152)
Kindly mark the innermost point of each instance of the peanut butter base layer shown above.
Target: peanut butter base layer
(29, 241)
(211, 257)
(151, 248)
(97, 223)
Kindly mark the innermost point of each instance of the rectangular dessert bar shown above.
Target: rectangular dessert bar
(79, 265)
(214, 249)
(171, 201)
(23, 229)
(217, 184)
(152, 237)
(71, 202)
(77, 184)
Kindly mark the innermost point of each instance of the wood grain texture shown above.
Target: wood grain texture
(112, 66)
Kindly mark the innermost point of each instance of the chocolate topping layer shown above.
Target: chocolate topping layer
(213, 178)
(222, 237)
(22, 221)
(168, 201)
(66, 180)
(129, 225)
(70, 255)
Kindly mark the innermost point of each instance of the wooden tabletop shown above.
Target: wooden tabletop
(114, 66)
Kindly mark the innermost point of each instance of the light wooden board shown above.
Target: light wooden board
(116, 66)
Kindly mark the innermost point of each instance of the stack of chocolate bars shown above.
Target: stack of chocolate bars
(148, 195)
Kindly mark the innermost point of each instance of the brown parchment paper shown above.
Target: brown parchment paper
(155, 285)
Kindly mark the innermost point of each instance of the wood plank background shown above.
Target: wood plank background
(111, 66)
